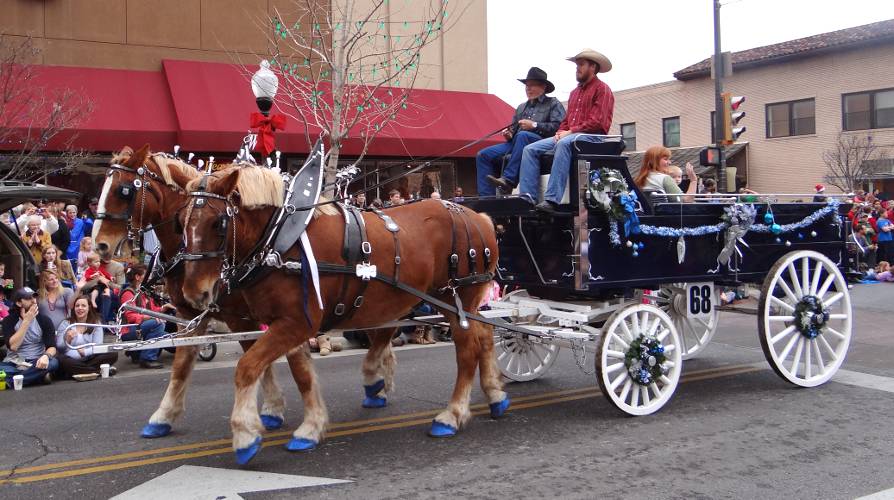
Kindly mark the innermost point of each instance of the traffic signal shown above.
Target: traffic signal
(731, 117)
(710, 157)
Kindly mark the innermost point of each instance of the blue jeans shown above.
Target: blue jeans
(151, 329)
(488, 161)
(561, 169)
(31, 375)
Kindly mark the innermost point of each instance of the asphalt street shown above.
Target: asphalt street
(733, 429)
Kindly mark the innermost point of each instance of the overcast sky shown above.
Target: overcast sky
(646, 40)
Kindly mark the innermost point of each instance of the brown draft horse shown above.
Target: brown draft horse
(247, 197)
(155, 204)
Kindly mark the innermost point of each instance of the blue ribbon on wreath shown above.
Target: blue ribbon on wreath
(631, 221)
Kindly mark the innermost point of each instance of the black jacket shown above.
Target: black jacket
(548, 112)
(45, 323)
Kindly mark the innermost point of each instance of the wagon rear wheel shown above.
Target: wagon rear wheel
(522, 358)
(695, 333)
(621, 356)
(805, 318)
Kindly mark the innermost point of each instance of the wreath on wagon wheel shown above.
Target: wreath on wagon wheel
(610, 194)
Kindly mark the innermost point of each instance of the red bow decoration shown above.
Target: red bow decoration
(266, 126)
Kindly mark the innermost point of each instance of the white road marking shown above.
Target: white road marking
(881, 495)
(194, 482)
(865, 380)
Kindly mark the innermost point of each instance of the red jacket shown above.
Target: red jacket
(142, 301)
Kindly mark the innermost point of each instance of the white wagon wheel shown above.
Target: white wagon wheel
(520, 357)
(621, 356)
(805, 318)
(695, 333)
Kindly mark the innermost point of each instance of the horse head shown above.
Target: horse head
(209, 223)
(137, 193)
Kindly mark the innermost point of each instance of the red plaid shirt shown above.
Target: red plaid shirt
(590, 108)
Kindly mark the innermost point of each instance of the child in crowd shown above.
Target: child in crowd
(84, 250)
(95, 270)
(883, 272)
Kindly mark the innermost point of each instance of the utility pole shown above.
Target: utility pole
(718, 101)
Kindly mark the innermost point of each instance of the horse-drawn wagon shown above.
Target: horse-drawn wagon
(649, 270)
(631, 279)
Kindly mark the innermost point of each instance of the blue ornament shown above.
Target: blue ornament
(800, 236)
(778, 240)
(641, 245)
(775, 228)
(768, 218)
(635, 253)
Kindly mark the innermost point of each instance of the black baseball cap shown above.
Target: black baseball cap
(23, 293)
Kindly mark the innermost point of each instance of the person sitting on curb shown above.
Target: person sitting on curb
(80, 362)
(31, 341)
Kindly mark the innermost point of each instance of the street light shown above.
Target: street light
(263, 85)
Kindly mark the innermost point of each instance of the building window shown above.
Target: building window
(628, 134)
(785, 119)
(867, 110)
(671, 131)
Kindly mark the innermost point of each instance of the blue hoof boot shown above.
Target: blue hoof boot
(152, 431)
(300, 444)
(374, 402)
(271, 422)
(499, 408)
(372, 399)
(244, 455)
(440, 430)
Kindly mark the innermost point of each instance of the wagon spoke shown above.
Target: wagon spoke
(625, 390)
(613, 368)
(796, 283)
(788, 348)
(826, 284)
(797, 361)
(818, 356)
(528, 356)
(783, 304)
(838, 316)
(664, 333)
(787, 290)
(617, 338)
(706, 324)
(835, 332)
(614, 354)
(833, 299)
(655, 389)
(828, 348)
(808, 364)
(634, 324)
(634, 397)
(655, 325)
(781, 335)
(618, 380)
(781, 318)
(542, 353)
(669, 363)
(626, 330)
(805, 276)
(645, 391)
(664, 380)
(814, 283)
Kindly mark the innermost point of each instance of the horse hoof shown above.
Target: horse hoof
(152, 431)
(441, 430)
(244, 455)
(499, 408)
(271, 422)
(372, 399)
(374, 402)
(300, 444)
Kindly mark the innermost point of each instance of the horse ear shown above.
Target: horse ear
(228, 183)
(139, 156)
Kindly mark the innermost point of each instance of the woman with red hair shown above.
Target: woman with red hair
(653, 174)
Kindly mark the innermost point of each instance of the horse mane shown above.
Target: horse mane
(258, 187)
(166, 164)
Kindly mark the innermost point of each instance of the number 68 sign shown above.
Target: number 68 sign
(699, 299)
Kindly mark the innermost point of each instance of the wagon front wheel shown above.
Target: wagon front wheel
(639, 360)
(805, 318)
(522, 358)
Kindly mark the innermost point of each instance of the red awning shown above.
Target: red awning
(129, 107)
(205, 107)
(213, 102)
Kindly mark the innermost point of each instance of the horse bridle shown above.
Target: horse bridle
(226, 219)
(128, 191)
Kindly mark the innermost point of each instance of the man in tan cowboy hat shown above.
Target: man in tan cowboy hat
(590, 109)
(536, 118)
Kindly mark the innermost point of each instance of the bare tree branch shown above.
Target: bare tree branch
(31, 116)
(849, 162)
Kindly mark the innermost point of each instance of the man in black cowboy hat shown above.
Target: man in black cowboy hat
(534, 119)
